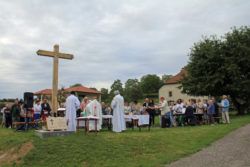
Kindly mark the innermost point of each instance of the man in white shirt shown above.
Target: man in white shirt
(165, 112)
(37, 112)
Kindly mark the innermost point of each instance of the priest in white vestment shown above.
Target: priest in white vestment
(72, 104)
(118, 110)
(94, 108)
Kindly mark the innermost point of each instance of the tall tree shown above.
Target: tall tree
(77, 84)
(150, 83)
(221, 66)
(117, 85)
(105, 95)
(132, 90)
(165, 77)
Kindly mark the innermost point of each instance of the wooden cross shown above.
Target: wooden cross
(56, 55)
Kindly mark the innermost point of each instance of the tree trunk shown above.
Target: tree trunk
(240, 108)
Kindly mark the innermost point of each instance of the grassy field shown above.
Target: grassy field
(131, 148)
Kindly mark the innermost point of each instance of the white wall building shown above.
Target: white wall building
(171, 92)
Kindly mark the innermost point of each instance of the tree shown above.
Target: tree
(221, 66)
(150, 83)
(75, 85)
(117, 85)
(93, 88)
(132, 90)
(105, 95)
(166, 77)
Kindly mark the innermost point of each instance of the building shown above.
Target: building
(171, 92)
(80, 91)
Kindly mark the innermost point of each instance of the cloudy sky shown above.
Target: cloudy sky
(110, 39)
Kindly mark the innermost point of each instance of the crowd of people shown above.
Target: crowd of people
(18, 112)
(181, 113)
(171, 113)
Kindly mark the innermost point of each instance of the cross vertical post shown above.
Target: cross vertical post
(55, 80)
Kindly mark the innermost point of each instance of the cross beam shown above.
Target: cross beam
(56, 55)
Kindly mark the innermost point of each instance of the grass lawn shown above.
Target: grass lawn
(131, 148)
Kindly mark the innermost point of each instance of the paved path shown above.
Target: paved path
(232, 150)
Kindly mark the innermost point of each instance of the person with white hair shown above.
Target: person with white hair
(118, 110)
(225, 110)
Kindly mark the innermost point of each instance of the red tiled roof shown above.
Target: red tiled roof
(44, 92)
(82, 89)
(177, 78)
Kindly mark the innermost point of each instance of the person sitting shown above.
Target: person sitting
(180, 108)
(189, 114)
(108, 109)
(127, 108)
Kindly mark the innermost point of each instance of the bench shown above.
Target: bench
(23, 123)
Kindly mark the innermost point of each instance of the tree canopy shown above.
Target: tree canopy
(150, 83)
(117, 85)
(132, 90)
(220, 66)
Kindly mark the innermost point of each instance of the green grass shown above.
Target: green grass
(131, 148)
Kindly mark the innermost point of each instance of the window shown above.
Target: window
(170, 94)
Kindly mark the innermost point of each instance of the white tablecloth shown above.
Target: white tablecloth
(91, 122)
(142, 119)
(107, 116)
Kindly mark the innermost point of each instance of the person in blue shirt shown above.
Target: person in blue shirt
(225, 110)
(211, 112)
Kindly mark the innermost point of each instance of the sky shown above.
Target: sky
(110, 39)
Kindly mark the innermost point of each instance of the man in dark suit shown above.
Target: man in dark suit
(45, 109)
(189, 114)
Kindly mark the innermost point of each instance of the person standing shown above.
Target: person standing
(104, 112)
(8, 117)
(15, 112)
(94, 109)
(118, 110)
(45, 109)
(216, 110)
(151, 106)
(146, 106)
(3, 117)
(211, 112)
(72, 104)
(205, 113)
(225, 109)
(164, 112)
(83, 105)
(37, 112)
